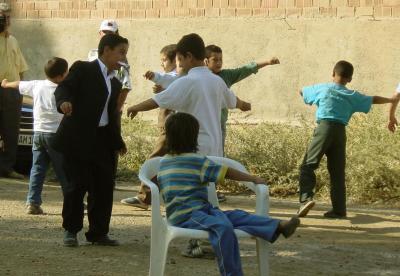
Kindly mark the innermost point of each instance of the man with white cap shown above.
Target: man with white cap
(12, 66)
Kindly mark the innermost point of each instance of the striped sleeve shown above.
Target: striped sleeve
(212, 172)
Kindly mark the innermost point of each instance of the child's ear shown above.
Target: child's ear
(206, 61)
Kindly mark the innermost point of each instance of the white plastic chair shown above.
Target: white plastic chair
(162, 233)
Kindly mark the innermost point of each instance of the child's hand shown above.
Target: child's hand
(4, 83)
(259, 180)
(131, 112)
(149, 75)
(245, 106)
(274, 61)
(392, 124)
(66, 108)
(157, 89)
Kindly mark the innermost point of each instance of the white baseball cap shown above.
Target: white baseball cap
(109, 25)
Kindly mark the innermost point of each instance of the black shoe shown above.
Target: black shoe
(104, 241)
(332, 214)
(287, 228)
(70, 239)
(305, 208)
(221, 197)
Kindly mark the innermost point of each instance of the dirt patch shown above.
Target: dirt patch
(367, 243)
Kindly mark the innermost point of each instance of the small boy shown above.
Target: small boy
(231, 76)
(46, 121)
(162, 81)
(183, 179)
(335, 106)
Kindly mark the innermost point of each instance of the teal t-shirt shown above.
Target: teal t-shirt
(232, 76)
(335, 102)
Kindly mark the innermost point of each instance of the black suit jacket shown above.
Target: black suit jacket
(86, 89)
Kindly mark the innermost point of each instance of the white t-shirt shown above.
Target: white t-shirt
(45, 115)
(398, 88)
(165, 79)
(201, 94)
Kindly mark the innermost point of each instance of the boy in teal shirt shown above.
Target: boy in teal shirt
(335, 106)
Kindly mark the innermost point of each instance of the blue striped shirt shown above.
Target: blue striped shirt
(183, 183)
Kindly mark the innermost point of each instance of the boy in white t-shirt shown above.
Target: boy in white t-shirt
(46, 120)
(392, 113)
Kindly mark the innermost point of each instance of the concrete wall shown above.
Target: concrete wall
(307, 48)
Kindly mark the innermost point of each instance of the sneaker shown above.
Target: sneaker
(332, 214)
(135, 202)
(194, 250)
(34, 209)
(305, 207)
(104, 241)
(287, 228)
(221, 197)
(70, 239)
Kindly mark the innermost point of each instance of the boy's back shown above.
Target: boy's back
(202, 94)
(335, 102)
(45, 114)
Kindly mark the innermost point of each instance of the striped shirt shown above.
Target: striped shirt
(183, 183)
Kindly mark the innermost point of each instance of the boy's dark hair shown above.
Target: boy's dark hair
(193, 44)
(344, 69)
(55, 67)
(212, 49)
(182, 130)
(112, 41)
(169, 51)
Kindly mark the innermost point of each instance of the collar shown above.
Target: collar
(104, 70)
(199, 69)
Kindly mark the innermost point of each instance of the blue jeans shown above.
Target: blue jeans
(43, 153)
(221, 225)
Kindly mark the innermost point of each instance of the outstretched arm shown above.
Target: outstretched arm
(392, 113)
(382, 100)
(241, 176)
(272, 61)
(147, 105)
(242, 105)
(13, 84)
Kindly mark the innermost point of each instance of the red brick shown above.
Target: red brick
(339, 3)
(328, 12)
(167, 13)
(197, 12)
(378, 2)
(110, 13)
(366, 3)
(345, 12)
(311, 12)
(45, 14)
(174, 3)
(354, 3)
(158, 4)
(18, 13)
(212, 12)
(364, 11)
(260, 12)
(32, 14)
(123, 14)
(97, 14)
(277, 12)
(16, 6)
(391, 3)
(395, 11)
(28, 5)
(293, 12)
(120, 5)
(382, 11)
(287, 3)
(269, 3)
(40, 5)
(244, 12)
(252, 3)
(228, 12)
(58, 14)
(71, 14)
(220, 4)
(138, 13)
(236, 3)
(321, 3)
(152, 13)
(53, 5)
(182, 12)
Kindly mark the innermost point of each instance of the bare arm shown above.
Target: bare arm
(242, 105)
(382, 100)
(241, 176)
(301, 92)
(147, 105)
(392, 112)
(272, 61)
(13, 84)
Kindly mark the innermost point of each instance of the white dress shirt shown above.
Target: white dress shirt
(107, 77)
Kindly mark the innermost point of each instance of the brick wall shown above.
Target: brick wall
(136, 9)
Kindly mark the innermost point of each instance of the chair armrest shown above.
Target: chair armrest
(155, 197)
(262, 197)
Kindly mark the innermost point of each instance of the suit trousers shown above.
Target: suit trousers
(94, 175)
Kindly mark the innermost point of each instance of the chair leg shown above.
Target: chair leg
(158, 255)
(263, 256)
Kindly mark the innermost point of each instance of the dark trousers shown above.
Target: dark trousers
(94, 175)
(329, 139)
(10, 114)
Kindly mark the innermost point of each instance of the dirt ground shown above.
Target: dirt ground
(368, 243)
